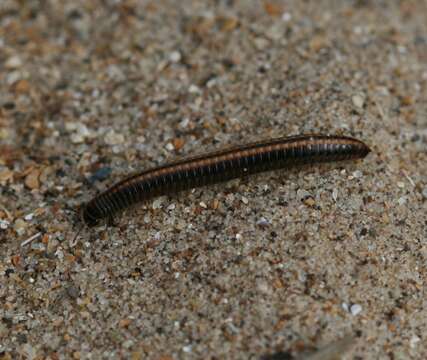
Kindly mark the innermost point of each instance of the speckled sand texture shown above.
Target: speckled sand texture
(282, 265)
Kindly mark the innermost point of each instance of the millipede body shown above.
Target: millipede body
(223, 165)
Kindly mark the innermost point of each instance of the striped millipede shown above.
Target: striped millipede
(220, 166)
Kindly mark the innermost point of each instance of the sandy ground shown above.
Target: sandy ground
(283, 265)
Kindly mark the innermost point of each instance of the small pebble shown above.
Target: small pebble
(186, 349)
(29, 217)
(128, 344)
(357, 174)
(77, 138)
(245, 200)
(309, 201)
(158, 203)
(193, 89)
(171, 207)
(19, 226)
(13, 62)
(414, 341)
(32, 179)
(147, 218)
(425, 192)
(4, 224)
(73, 291)
(22, 86)
(400, 184)
(28, 351)
(38, 246)
(70, 126)
(178, 143)
(318, 42)
(355, 309)
(101, 174)
(335, 194)
(4, 133)
(358, 100)
(184, 122)
(407, 100)
(402, 200)
(170, 147)
(59, 254)
(5, 175)
(175, 56)
(263, 222)
(303, 194)
(215, 204)
(344, 306)
(203, 205)
(113, 138)
(286, 17)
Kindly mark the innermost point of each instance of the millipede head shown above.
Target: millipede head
(86, 217)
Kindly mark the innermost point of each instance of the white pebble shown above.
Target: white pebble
(70, 126)
(402, 200)
(425, 192)
(400, 184)
(245, 200)
(357, 174)
(335, 194)
(171, 207)
(29, 217)
(229, 199)
(128, 344)
(59, 254)
(113, 138)
(358, 100)
(77, 138)
(186, 349)
(414, 341)
(175, 56)
(13, 62)
(263, 222)
(358, 30)
(13, 77)
(203, 205)
(158, 203)
(355, 309)
(4, 224)
(184, 122)
(170, 147)
(286, 17)
(83, 130)
(193, 89)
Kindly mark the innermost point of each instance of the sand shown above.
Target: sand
(319, 261)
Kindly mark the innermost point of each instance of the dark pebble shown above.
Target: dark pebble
(101, 174)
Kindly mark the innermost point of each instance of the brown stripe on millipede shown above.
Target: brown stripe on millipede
(220, 166)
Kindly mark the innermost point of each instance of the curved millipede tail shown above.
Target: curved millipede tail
(221, 166)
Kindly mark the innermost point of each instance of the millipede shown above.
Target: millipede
(219, 166)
